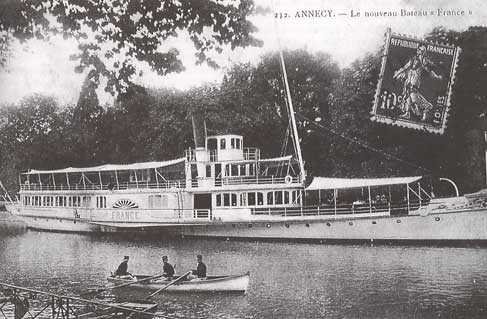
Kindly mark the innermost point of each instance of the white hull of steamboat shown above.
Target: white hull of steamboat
(431, 223)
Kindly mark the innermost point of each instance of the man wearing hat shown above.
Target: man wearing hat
(122, 268)
(167, 269)
(200, 271)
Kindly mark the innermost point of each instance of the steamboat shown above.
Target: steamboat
(221, 188)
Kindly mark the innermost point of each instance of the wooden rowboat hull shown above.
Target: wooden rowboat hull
(235, 283)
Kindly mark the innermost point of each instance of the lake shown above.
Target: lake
(288, 280)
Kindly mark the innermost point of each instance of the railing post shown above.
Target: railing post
(318, 210)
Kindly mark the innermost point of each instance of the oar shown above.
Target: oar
(96, 291)
(169, 284)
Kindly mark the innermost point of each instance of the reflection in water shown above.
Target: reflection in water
(287, 280)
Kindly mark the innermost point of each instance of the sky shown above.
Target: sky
(346, 29)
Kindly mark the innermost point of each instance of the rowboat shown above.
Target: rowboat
(232, 283)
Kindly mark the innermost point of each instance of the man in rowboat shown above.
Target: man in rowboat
(200, 272)
(122, 268)
(167, 269)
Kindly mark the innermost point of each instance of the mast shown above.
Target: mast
(293, 120)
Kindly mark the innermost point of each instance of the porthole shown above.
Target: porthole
(374, 223)
(268, 225)
(307, 225)
(287, 225)
(437, 219)
(398, 221)
(60, 221)
(74, 221)
(250, 225)
(328, 224)
(350, 223)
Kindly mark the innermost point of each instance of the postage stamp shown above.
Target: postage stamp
(415, 83)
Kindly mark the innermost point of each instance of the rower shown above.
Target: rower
(200, 272)
(167, 269)
(122, 268)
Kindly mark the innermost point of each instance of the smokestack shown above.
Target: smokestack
(199, 129)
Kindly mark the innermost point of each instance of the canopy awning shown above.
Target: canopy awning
(340, 183)
(276, 159)
(108, 167)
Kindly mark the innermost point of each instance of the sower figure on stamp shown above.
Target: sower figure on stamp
(410, 73)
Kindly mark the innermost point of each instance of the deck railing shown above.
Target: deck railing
(109, 186)
(259, 180)
(176, 184)
(251, 154)
(343, 209)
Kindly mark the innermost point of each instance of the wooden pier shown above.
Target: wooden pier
(19, 302)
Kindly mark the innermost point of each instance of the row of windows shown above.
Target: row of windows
(239, 169)
(258, 198)
(235, 143)
(57, 201)
(235, 170)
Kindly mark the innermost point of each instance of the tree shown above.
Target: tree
(254, 101)
(113, 34)
(86, 124)
(32, 135)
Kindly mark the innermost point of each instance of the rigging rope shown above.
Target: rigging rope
(363, 144)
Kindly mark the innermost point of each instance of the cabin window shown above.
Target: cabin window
(212, 144)
(238, 143)
(62, 201)
(227, 170)
(86, 201)
(164, 201)
(101, 202)
(278, 195)
(296, 197)
(243, 199)
(234, 170)
(223, 143)
(286, 197)
(208, 170)
(232, 143)
(155, 201)
(260, 198)
(251, 198)
(242, 170)
(218, 200)
(226, 199)
(270, 198)
(251, 169)
(234, 199)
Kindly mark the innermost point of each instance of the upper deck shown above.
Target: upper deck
(223, 148)
(223, 163)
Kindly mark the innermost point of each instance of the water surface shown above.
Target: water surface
(288, 280)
